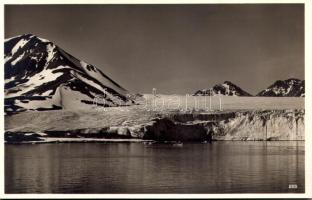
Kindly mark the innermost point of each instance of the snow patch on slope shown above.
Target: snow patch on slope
(18, 59)
(18, 45)
(34, 81)
(50, 50)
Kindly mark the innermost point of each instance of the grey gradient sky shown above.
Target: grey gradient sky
(175, 48)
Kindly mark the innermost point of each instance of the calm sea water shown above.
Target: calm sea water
(221, 167)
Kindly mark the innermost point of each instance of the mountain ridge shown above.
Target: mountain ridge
(226, 88)
(41, 75)
(291, 87)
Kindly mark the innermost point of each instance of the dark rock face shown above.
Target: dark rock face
(167, 130)
(227, 88)
(107, 132)
(285, 88)
(21, 137)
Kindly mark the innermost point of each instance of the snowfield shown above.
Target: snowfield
(168, 102)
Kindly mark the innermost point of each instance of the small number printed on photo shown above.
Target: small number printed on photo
(292, 186)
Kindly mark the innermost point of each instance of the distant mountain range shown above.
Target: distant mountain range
(285, 88)
(227, 88)
(281, 88)
(39, 75)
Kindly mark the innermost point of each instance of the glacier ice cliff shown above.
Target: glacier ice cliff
(187, 127)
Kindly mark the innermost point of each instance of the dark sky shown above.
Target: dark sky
(174, 48)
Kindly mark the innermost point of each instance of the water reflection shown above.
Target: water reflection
(221, 167)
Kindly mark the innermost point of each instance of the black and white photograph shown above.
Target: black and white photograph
(154, 98)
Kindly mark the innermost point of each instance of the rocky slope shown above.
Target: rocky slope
(227, 88)
(39, 75)
(285, 88)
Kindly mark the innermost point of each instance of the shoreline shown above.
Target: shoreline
(50, 140)
(81, 140)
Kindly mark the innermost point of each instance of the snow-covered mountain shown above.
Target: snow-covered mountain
(227, 88)
(285, 88)
(39, 75)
